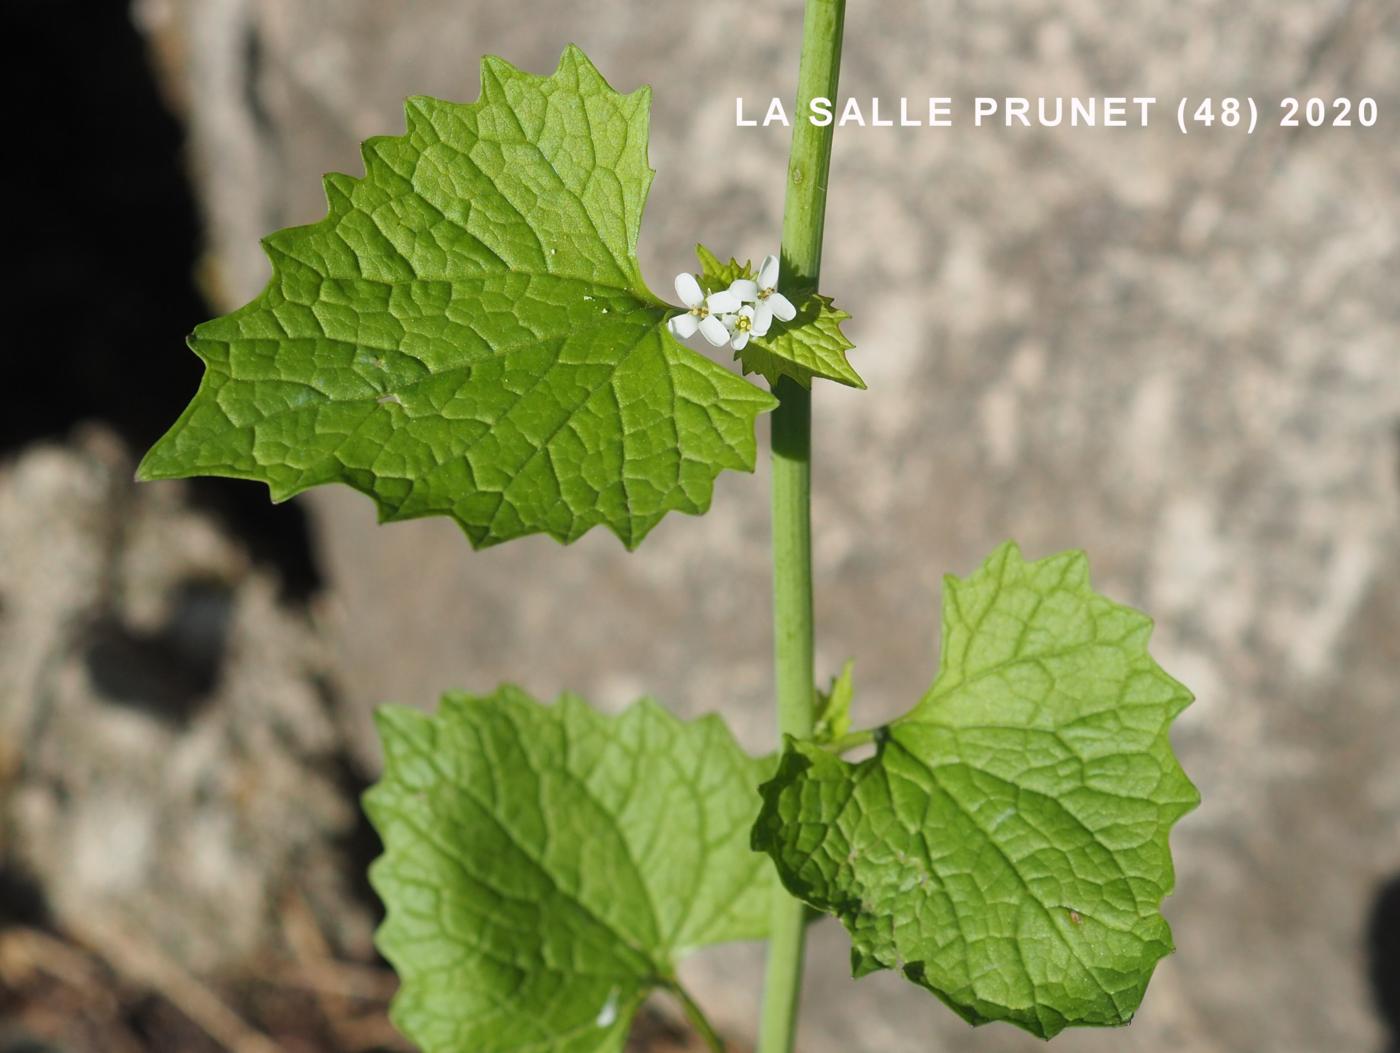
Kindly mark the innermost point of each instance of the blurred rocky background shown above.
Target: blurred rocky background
(1179, 353)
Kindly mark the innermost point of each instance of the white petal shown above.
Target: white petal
(783, 310)
(713, 330)
(768, 273)
(684, 325)
(762, 317)
(744, 288)
(741, 341)
(688, 289)
(724, 302)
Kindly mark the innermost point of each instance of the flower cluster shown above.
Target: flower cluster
(731, 316)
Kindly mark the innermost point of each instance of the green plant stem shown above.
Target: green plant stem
(697, 1018)
(804, 218)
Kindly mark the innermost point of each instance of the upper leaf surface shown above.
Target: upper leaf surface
(467, 332)
(811, 345)
(1007, 846)
(545, 865)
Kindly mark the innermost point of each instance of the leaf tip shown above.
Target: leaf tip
(159, 464)
(575, 56)
(708, 260)
(1008, 551)
(575, 60)
(863, 964)
(495, 66)
(392, 717)
(146, 471)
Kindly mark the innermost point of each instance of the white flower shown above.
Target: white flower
(768, 302)
(703, 311)
(744, 288)
(744, 324)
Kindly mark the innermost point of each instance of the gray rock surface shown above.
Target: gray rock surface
(170, 766)
(1179, 353)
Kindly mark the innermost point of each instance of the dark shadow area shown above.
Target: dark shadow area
(172, 671)
(104, 236)
(1383, 958)
(158, 1025)
(17, 1043)
(105, 240)
(360, 845)
(21, 900)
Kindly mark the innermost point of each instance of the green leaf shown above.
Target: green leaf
(833, 712)
(811, 345)
(715, 275)
(544, 866)
(467, 333)
(1006, 848)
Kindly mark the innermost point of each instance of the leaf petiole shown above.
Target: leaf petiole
(852, 741)
(696, 1016)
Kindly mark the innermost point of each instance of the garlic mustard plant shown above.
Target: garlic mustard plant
(468, 334)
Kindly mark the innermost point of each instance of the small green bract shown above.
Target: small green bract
(810, 346)
(832, 715)
(1006, 847)
(467, 333)
(545, 866)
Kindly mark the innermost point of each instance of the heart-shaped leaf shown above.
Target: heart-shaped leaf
(468, 334)
(1006, 847)
(545, 866)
